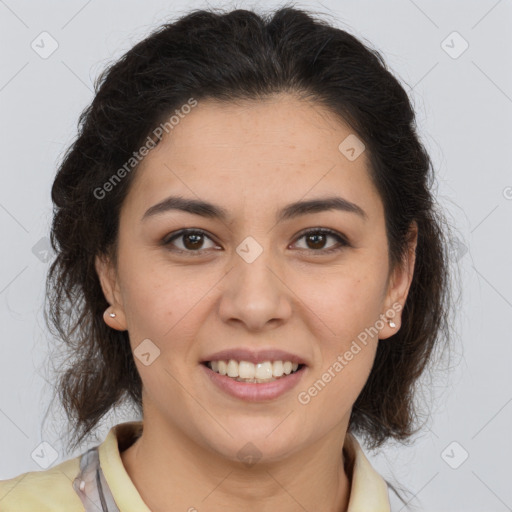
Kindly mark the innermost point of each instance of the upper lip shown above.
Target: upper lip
(254, 356)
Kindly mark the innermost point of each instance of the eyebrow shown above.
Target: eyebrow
(293, 210)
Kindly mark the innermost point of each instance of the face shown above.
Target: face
(253, 279)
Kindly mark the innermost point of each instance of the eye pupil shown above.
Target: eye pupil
(317, 236)
(195, 244)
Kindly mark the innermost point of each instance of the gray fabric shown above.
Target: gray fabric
(96, 495)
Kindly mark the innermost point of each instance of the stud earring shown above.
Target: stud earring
(391, 324)
(112, 315)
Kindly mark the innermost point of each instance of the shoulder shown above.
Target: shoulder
(44, 491)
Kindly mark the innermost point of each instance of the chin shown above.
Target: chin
(250, 442)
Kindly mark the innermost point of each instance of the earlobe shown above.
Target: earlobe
(114, 320)
(113, 316)
(390, 325)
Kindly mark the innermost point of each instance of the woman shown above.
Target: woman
(251, 254)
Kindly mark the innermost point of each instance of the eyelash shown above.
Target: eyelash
(324, 231)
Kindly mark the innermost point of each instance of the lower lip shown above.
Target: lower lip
(252, 391)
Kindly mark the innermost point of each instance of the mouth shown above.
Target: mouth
(260, 382)
(259, 373)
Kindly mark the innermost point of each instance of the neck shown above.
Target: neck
(168, 467)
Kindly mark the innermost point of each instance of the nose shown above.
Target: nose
(255, 294)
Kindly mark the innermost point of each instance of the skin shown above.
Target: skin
(252, 158)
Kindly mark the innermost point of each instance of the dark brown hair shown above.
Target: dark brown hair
(231, 56)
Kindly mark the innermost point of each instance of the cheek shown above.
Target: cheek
(332, 389)
(151, 301)
(164, 303)
(344, 302)
(348, 375)
(347, 341)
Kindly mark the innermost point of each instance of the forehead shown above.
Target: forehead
(255, 150)
(283, 124)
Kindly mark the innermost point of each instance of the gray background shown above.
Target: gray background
(464, 112)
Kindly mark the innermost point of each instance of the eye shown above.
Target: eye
(193, 240)
(317, 237)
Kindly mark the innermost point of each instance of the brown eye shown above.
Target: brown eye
(191, 241)
(315, 240)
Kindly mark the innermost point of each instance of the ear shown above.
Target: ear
(110, 285)
(399, 284)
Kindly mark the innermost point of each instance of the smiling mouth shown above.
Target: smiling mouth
(260, 373)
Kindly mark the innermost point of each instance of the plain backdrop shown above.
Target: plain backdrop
(454, 58)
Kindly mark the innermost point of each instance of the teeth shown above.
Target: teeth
(244, 371)
(262, 370)
(248, 371)
(223, 367)
(232, 368)
(277, 368)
